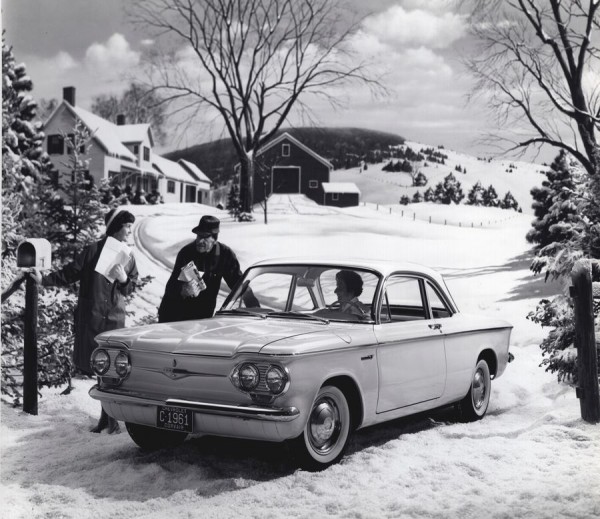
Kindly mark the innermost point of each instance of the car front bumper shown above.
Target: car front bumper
(249, 422)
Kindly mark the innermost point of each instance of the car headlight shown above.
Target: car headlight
(100, 362)
(249, 376)
(276, 379)
(122, 364)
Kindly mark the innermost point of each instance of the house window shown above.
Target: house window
(56, 145)
(170, 186)
(313, 184)
(146, 153)
(136, 149)
(335, 196)
(285, 150)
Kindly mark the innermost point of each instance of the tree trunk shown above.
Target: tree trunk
(246, 178)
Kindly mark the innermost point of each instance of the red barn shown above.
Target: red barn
(285, 165)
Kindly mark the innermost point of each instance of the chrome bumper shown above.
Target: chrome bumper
(271, 414)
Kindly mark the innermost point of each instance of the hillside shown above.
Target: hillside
(343, 147)
(383, 187)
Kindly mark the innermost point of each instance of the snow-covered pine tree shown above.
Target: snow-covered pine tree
(429, 195)
(578, 236)
(559, 183)
(509, 202)
(72, 210)
(475, 195)
(417, 197)
(490, 197)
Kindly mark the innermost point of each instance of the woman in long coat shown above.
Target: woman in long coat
(101, 302)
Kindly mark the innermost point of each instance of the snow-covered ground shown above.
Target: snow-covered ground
(532, 456)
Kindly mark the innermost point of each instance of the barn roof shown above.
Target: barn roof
(286, 135)
(340, 187)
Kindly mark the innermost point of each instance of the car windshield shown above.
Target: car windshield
(326, 292)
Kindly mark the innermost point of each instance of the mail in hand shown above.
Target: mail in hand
(191, 275)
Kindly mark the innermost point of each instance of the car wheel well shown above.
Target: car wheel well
(350, 389)
(490, 357)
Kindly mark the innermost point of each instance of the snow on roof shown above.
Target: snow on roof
(340, 187)
(134, 132)
(104, 131)
(172, 170)
(194, 170)
(286, 135)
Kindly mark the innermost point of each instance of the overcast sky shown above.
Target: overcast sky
(90, 44)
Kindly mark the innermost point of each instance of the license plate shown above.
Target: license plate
(175, 419)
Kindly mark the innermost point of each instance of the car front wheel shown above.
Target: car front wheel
(475, 404)
(327, 430)
(151, 439)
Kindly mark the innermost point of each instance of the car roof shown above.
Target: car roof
(384, 267)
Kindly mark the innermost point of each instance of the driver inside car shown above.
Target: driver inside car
(349, 285)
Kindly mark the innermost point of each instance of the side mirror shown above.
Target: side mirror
(34, 252)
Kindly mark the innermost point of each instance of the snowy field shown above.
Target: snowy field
(532, 456)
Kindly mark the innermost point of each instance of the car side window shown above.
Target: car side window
(271, 289)
(404, 301)
(439, 309)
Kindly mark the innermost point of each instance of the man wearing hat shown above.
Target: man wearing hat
(186, 298)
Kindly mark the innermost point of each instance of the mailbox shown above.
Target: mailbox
(35, 252)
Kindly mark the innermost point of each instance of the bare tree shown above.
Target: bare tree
(257, 59)
(537, 66)
(138, 104)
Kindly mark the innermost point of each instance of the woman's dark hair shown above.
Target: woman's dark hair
(116, 222)
(352, 280)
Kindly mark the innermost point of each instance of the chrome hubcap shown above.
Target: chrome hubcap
(324, 425)
(479, 389)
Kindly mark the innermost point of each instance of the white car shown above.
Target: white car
(281, 361)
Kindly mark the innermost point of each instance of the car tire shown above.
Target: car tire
(326, 433)
(151, 439)
(475, 404)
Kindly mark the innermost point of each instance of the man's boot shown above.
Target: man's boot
(102, 423)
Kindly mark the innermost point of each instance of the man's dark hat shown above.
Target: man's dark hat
(208, 225)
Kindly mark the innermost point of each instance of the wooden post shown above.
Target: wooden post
(585, 342)
(30, 354)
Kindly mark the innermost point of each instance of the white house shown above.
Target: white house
(122, 153)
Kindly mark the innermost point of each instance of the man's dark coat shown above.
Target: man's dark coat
(217, 264)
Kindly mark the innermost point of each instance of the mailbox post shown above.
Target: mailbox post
(35, 252)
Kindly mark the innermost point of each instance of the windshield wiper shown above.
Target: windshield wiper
(298, 314)
(239, 311)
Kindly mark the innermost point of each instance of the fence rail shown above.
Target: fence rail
(413, 215)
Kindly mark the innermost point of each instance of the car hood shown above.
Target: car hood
(228, 336)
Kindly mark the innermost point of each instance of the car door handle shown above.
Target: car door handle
(435, 326)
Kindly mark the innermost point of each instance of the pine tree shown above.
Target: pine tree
(417, 197)
(490, 197)
(404, 200)
(233, 201)
(559, 185)
(429, 196)
(475, 196)
(574, 235)
(448, 191)
(509, 202)
(420, 179)
(73, 213)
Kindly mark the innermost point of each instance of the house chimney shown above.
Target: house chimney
(69, 95)
(120, 119)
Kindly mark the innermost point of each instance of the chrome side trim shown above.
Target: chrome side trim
(273, 414)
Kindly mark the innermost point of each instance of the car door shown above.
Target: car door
(410, 353)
